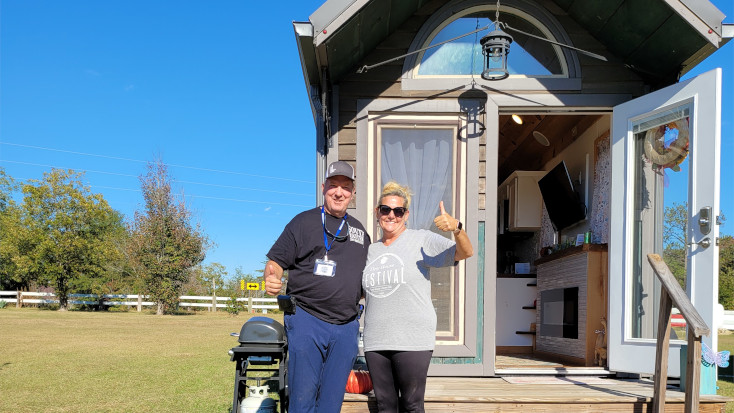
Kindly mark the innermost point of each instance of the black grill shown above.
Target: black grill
(263, 345)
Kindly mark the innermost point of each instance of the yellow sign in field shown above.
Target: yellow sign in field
(253, 286)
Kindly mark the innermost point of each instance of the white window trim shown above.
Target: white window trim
(469, 178)
(453, 10)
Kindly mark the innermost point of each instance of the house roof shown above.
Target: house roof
(658, 39)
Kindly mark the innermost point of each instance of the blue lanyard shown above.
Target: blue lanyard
(328, 244)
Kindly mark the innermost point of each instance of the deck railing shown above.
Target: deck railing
(673, 294)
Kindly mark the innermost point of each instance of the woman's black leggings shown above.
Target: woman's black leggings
(399, 379)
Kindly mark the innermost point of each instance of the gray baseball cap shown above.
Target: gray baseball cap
(340, 168)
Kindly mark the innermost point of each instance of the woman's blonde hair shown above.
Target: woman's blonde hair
(393, 188)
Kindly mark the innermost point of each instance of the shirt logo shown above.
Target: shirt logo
(383, 276)
(356, 235)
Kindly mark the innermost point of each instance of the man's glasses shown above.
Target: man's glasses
(385, 210)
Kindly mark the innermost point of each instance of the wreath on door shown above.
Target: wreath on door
(672, 155)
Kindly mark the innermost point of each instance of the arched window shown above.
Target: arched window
(547, 64)
(528, 56)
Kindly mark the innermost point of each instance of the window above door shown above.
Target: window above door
(533, 64)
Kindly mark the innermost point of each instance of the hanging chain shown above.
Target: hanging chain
(497, 16)
(473, 54)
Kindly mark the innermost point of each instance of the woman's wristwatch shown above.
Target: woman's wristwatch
(459, 227)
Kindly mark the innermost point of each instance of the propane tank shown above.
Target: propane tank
(258, 401)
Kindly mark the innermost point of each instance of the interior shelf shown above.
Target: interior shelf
(525, 332)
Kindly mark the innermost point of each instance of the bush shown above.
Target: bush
(233, 306)
(3, 304)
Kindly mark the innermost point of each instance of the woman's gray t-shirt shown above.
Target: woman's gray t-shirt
(399, 313)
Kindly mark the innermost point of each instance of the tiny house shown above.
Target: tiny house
(558, 132)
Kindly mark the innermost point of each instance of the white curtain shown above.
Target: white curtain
(421, 159)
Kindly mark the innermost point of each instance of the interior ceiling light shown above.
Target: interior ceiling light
(541, 138)
(517, 119)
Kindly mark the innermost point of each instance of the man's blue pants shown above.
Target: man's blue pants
(320, 357)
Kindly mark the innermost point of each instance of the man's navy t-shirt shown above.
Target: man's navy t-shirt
(331, 299)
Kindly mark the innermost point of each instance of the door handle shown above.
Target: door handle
(705, 243)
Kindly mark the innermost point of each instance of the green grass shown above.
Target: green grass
(726, 342)
(130, 362)
(116, 362)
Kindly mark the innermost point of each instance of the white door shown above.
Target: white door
(657, 171)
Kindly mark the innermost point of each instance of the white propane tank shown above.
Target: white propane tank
(258, 401)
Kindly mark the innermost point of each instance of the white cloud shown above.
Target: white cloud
(268, 209)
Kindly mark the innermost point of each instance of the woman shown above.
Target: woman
(400, 321)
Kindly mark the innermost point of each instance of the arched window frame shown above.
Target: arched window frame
(533, 13)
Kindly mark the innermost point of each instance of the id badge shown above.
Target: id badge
(326, 268)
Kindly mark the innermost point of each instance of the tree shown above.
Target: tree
(675, 225)
(726, 272)
(164, 243)
(206, 279)
(11, 234)
(675, 252)
(65, 241)
(674, 240)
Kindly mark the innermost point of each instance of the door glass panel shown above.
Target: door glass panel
(660, 211)
(424, 159)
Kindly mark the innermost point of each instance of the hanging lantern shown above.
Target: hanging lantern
(495, 48)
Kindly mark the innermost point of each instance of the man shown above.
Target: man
(324, 250)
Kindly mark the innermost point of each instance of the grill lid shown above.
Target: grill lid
(262, 330)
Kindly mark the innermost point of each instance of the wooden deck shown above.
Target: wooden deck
(537, 394)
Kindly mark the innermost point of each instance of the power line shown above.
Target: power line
(141, 161)
(241, 188)
(63, 167)
(215, 198)
(188, 195)
(173, 179)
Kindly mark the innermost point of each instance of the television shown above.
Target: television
(562, 202)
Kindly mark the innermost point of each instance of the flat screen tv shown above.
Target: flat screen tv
(562, 202)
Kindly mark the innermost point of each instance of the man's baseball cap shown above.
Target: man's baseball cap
(340, 168)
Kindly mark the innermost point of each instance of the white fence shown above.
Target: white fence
(21, 298)
(728, 320)
(726, 317)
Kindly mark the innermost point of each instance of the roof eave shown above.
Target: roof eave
(703, 16)
(307, 55)
(332, 15)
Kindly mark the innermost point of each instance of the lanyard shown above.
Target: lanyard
(323, 224)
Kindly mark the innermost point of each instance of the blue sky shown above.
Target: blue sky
(214, 88)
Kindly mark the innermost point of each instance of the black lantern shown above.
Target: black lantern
(495, 47)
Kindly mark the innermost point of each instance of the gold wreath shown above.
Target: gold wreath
(673, 155)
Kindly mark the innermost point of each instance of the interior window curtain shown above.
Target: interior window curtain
(421, 159)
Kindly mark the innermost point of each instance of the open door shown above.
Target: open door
(665, 158)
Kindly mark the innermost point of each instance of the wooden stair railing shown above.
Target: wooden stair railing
(673, 294)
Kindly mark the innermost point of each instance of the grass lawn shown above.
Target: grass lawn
(130, 362)
(116, 361)
(726, 342)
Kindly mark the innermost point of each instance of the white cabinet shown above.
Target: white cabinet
(521, 204)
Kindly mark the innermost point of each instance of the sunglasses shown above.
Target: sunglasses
(385, 210)
(343, 235)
